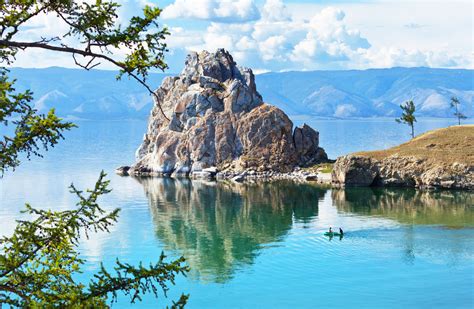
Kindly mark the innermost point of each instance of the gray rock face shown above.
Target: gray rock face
(306, 143)
(122, 170)
(354, 171)
(218, 119)
(401, 171)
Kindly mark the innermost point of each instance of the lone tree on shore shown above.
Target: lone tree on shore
(39, 262)
(455, 104)
(408, 116)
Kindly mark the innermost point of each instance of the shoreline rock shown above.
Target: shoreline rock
(438, 159)
(122, 170)
(218, 120)
(238, 176)
(401, 171)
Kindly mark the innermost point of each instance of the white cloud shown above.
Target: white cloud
(260, 71)
(276, 36)
(328, 39)
(213, 10)
(413, 26)
(280, 42)
(398, 57)
(275, 10)
(50, 25)
(271, 48)
(181, 38)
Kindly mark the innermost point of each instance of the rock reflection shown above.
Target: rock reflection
(415, 209)
(409, 206)
(221, 226)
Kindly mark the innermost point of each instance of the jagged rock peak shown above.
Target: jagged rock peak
(219, 66)
(209, 81)
(218, 119)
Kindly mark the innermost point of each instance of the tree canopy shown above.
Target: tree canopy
(93, 36)
(408, 116)
(39, 262)
(455, 103)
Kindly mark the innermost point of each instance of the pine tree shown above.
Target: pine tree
(408, 116)
(455, 104)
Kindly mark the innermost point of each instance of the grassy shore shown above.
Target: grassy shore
(447, 145)
(324, 168)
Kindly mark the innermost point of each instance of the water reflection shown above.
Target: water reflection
(416, 210)
(407, 206)
(222, 226)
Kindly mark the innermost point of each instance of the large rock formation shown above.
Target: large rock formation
(438, 159)
(217, 119)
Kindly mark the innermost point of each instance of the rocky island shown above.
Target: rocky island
(214, 123)
(442, 158)
(211, 122)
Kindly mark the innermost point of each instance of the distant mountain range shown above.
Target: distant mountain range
(96, 94)
(369, 93)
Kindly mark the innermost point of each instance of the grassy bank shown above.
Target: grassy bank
(447, 145)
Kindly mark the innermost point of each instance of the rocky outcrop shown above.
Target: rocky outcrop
(215, 118)
(354, 171)
(441, 158)
(307, 146)
(400, 171)
(122, 170)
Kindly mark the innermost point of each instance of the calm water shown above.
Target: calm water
(261, 245)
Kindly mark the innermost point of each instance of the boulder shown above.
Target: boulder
(354, 171)
(306, 141)
(239, 178)
(122, 170)
(212, 117)
(311, 177)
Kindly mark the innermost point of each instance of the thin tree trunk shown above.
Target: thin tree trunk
(85, 53)
(457, 114)
(412, 131)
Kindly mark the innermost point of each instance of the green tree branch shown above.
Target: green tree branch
(39, 261)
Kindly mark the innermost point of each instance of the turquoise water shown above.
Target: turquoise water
(262, 245)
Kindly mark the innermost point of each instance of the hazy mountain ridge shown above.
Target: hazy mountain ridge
(368, 93)
(96, 94)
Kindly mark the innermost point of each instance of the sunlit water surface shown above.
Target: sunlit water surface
(262, 245)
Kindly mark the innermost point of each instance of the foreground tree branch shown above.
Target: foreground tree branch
(31, 132)
(92, 32)
(85, 53)
(39, 261)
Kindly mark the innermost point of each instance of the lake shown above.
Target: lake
(262, 244)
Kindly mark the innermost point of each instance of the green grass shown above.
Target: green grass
(319, 168)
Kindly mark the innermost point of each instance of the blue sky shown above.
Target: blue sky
(280, 35)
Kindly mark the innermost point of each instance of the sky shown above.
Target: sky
(283, 35)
